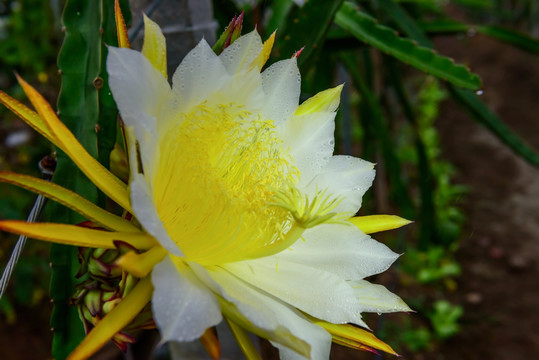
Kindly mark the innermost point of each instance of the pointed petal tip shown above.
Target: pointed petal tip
(376, 223)
(298, 53)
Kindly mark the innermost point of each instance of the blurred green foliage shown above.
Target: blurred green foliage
(27, 33)
(28, 45)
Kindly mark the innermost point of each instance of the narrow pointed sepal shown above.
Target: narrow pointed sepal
(28, 116)
(121, 29)
(154, 48)
(70, 199)
(76, 235)
(244, 341)
(376, 223)
(141, 265)
(65, 140)
(325, 101)
(264, 55)
(211, 343)
(354, 337)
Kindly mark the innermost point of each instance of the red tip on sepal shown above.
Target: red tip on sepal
(298, 53)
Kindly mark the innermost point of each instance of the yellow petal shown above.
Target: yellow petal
(354, 337)
(97, 173)
(211, 343)
(30, 117)
(376, 223)
(327, 100)
(69, 199)
(244, 341)
(115, 320)
(76, 235)
(263, 56)
(141, 265)
(121, 29)
(154, 47)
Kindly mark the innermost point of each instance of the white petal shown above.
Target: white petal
(239, 56)
(145, 212)
(138, 88)
(282, 86)
(310, 141)
(347, 177)
(200, 74)
(183, 306)
(269, 313)
(376, 298)
(316, 292)
(243, 89)
(342, 250)
(140, 91)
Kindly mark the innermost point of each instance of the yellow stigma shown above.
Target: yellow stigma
(217, 173)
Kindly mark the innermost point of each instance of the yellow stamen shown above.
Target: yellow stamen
(217, 172)
(309, 212)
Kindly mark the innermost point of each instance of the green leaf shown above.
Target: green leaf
(508, 36)
(306, 27)
(365, 28)
(483, 115)
(399, 189)
(427, 223)
(442, 26)
(404, 21)
(512, 37)
(279, 12)
(479, 4)
(479, 110)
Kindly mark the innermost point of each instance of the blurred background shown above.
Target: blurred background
(457, 155)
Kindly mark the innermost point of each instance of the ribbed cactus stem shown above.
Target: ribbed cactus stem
(86, 107)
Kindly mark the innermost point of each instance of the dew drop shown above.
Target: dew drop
(471, 32)
(479, 92)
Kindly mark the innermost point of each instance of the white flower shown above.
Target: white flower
(240, 185)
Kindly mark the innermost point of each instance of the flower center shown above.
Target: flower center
(218, 171)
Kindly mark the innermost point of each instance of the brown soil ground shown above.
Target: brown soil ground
(500, 250)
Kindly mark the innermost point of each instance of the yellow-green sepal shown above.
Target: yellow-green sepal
(376, 223)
